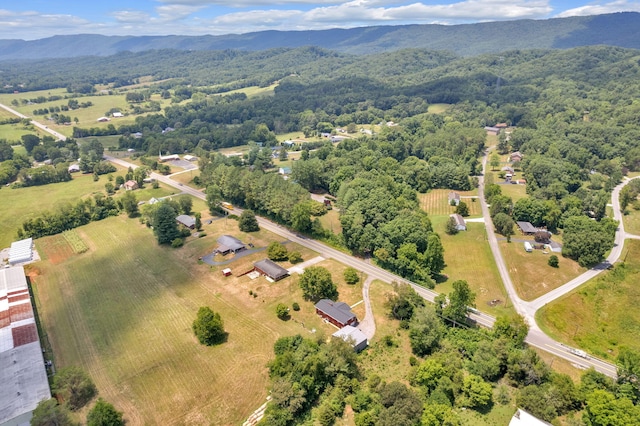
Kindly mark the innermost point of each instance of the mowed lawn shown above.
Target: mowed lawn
(602, 315)
(123, 312)
(530, 272)
(468, 257)
(632, 221)
(436, 202)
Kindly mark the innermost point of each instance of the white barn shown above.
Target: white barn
(21, 251)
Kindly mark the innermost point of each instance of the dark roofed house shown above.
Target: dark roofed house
(516, 156)
(187, 221)
(492, 130)
(337, 313)
(454, 198)
(271, 269)
(229, 244)
(527, 228)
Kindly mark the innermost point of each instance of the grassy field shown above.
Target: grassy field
(476, 266)
(331, 221)
(602, 315)
(531, 275)
(86, 116)
(438, 108)
(632, 221)
(436, 202)
(13, 132)
(123, 311)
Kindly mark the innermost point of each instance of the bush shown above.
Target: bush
(553, 261)
(282, 311)
(104, 414)
(295, 306)
(351, 276)
(295, 257)
(74, 387)
(276, 251)
(177, 243)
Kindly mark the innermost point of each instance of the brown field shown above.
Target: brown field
(436, 202)
(531, 275)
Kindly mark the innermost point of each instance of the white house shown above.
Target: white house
(117, 114)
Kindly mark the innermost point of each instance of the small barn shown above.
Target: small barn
(74, 168)
(337, 313)
(226, 272)
(516, 156)
(460, 223)
(187, 221)
(285, 171)
(190, 157)
(271, 269)
(491, 130)
(526, 228)
(353, 336)
(522, 418)
(228, 244)
(454, 198)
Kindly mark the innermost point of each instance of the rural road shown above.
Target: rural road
(35, 123)
(536, 337)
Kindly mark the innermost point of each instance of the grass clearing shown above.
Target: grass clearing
(77, 244)
(602, 315)
(23, 203)
(476, 266)
(331, 221)
(438, 108)
(436, 202)
(531, 275)
(632, 221)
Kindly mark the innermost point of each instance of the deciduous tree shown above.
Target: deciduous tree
(208, 327)
(104, 414)
(248, 221)
(316, 284)
(74, 387)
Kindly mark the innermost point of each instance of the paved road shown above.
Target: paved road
(35, 123)
(535, 338)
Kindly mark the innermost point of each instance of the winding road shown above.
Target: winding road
(536, 336)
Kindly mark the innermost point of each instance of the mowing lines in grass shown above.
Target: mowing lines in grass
(77, 245)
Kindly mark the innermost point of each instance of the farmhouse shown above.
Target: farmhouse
(187, 221)
(23, 374)
(271, 269)
(337, 313)
(21, 251)
(74, 168)
(353, 336)
(130, 185)
(454, 198)
(228, 244)
(527, 228)
(102, 120)
(460, 223)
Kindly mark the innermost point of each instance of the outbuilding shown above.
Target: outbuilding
(21, 251)
(454, 198)
(528, 247)
(353, 336)
(526, 228)
(130, 185)
(460, 223)
(271, 269)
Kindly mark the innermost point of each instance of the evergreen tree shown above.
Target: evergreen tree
(248, 221)
(164, 224)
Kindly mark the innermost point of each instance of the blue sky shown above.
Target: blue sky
(33, 19)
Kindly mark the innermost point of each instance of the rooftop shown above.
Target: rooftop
(339, 311)
(272, 269)
(349, 333)
(23, 376)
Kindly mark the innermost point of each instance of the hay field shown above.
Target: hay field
(123, 312)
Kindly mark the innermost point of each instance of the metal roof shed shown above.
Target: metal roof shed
(271, 269)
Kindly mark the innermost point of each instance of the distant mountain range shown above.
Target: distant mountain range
(618, 29)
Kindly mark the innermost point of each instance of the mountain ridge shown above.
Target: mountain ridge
(618, 29)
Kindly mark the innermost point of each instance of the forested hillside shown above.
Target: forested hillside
(619, 29)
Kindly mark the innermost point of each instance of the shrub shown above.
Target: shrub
(295, 306)
(208, 327)
(351, 276)
(73, 386)
(553, 261)
(282, 311)
(295, 257)
(276, 251)
(177, 243)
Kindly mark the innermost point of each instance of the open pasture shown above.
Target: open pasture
(602, 315)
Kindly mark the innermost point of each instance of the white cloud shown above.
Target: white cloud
(599, 9)
(173, 12)
(130, 16)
